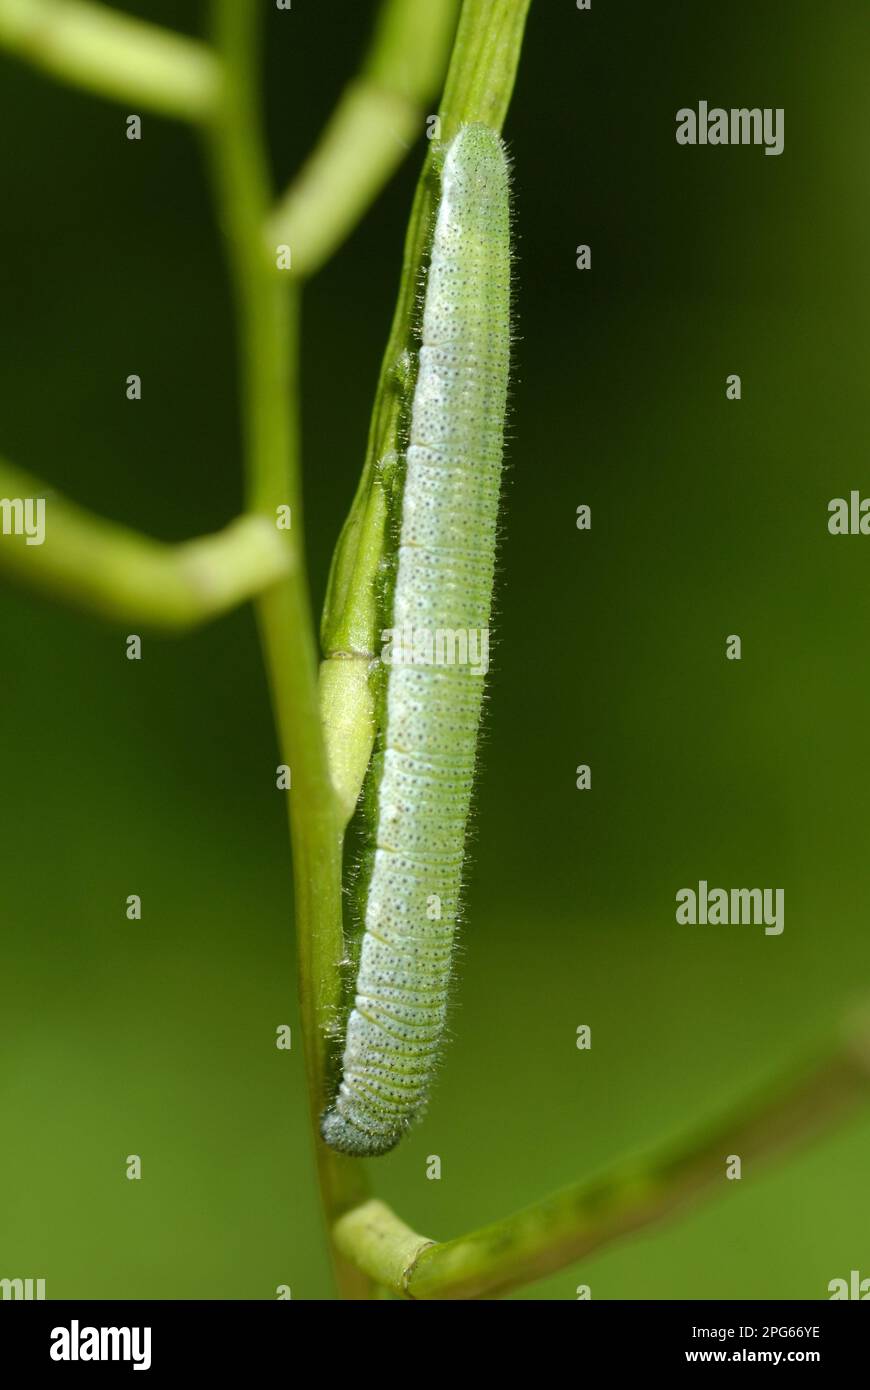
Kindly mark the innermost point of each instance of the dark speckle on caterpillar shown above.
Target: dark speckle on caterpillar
(434, 686)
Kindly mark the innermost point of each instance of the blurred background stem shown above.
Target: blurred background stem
(108, 569)
(377, 120)
(113, 55)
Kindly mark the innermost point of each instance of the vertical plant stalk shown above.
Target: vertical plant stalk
(267, 308)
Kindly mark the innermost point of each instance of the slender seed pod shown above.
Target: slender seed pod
(435, 656)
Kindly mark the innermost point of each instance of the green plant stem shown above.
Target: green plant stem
(267, 308)
(483, 65)
(580, 1219)
(378, 117)
(113, 55)
(107, 569)
(480, 81)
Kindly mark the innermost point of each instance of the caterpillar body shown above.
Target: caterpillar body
(443, 589)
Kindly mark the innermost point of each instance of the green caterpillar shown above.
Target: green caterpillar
(435, 656)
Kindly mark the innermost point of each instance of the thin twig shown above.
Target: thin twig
(594, 1213)
(113, 55)
(108, 569)
(378, 118)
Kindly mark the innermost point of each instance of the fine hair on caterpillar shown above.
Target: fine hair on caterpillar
(439, 589)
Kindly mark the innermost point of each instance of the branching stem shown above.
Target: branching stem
(113, 55)
(107, 569)
(570, 1224)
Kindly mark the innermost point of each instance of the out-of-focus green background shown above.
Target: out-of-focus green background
(709, 518)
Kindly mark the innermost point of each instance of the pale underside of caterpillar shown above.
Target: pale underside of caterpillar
(444, 582)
